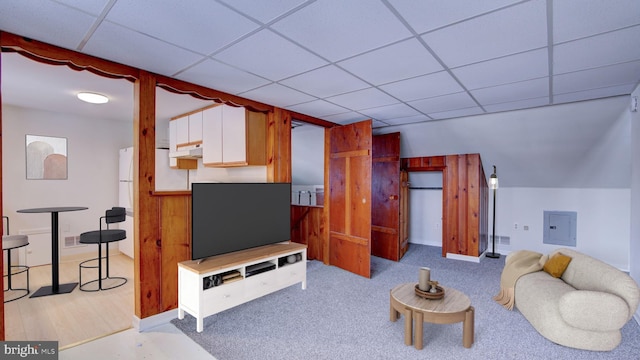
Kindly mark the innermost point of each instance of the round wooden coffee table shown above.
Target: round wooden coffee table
(452, 308)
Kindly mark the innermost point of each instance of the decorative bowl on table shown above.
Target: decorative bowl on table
(437, 294)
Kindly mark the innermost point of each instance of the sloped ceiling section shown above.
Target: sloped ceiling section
(578, 145)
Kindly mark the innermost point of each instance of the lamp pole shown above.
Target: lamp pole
(493, 184)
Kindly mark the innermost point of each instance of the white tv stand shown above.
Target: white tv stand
(233, 286)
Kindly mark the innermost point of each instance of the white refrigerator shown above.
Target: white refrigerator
(167, 179)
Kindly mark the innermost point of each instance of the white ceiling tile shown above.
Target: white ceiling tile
(624, 89)
(256, 54)
(428, 15)
(395, 62)
(326, 81)
(513, 92)
(444, 103)
(264, 10)
(523, 66)
(475, 110)
(40, 20)
(93, 7)
(515, 105)
(346, 118)
(512, 30)
(573, 19)
(121, 45)
(423, 87)
(390, 111)
(614, 47)
(203, 27)
(597, 78)
(277, 95)
(363, 99)
(337, 29)
(407, 120)
(215, 75)
(318, 108)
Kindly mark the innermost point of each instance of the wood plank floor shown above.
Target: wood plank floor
(75, 317)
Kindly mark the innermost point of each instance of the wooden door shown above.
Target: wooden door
(349, 173)
(404, 212)
(385, 197)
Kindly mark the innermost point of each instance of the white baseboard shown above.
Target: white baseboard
(465, 257)
(155, 320)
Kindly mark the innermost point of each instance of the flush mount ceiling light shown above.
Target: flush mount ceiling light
(93, 98)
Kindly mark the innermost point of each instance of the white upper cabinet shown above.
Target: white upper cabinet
(188, 130)
(212, 135)
(233, 136)
(182, 130)
(195, 128)
(234, 130)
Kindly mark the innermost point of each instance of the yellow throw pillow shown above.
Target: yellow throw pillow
(557, 264)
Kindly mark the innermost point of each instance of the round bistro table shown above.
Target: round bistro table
(56, 287)
(452, 308)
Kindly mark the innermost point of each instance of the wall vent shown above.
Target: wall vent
(72, 241)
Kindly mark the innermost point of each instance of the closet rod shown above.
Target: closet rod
(424, 188)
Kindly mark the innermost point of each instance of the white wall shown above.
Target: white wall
(233, 174)
(307, 155)
(635, 197)
(92, 146)
(425, 208)
(602, 228)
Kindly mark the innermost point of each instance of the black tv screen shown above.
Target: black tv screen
(228, 217)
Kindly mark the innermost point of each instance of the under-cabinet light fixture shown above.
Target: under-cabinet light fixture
(93, 98)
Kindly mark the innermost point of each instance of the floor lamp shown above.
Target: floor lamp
(493, 184)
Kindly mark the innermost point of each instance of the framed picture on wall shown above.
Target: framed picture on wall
(46, 157)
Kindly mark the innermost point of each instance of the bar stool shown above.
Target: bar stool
(103, 237)
(10, 242)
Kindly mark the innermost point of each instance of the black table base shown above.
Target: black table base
(48, 290)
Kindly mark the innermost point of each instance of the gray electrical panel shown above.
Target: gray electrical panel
(560, 228)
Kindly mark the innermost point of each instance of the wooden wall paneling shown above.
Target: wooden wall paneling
(472, 205)
(427, 163)
(279, 146)
(404, 213)
(327, 204)
(307, 224)
(450, 217)
(2, 332)
(175, 241)
(147, 247)
(484, 210)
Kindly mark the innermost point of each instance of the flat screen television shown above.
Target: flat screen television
(228, 217)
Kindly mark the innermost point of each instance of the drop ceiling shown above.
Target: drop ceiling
(395, 61)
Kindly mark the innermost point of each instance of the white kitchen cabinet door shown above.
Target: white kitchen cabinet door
(182, 131)
(234, 130)
(195, 128)
(173, 136)
(212, 135)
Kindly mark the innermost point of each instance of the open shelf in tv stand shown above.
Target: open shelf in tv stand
(200, 302)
